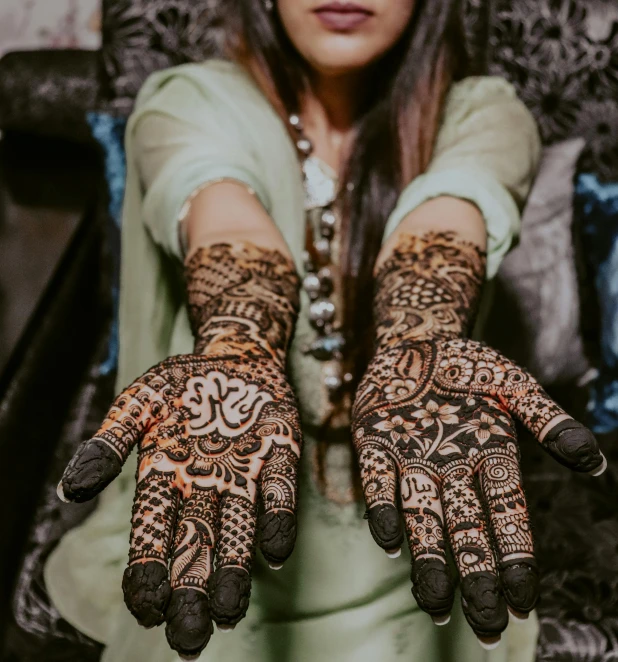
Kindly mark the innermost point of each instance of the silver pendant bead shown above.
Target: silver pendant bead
(304, 146)
(326, 348)
(321, 312)
(332, 377)
(312, 285)
(308, 265)
(325, 276)
(328, 221)
(296, 122)
(322, 246)
(333, 382)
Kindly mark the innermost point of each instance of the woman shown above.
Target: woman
(342, 147)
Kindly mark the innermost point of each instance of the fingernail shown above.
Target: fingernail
(394, 553)
(441, 620)
(187, 658)
(489, 644)
(601, 469)
(518, 616)
(275, 567)
(225, 628)
(60, 493)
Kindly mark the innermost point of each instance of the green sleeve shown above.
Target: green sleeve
(487, 152)
(183, 134)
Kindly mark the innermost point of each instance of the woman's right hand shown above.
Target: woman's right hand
(215, 436)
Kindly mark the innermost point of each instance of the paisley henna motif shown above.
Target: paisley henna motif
(429, 287)
(217, 433)
(434, 432)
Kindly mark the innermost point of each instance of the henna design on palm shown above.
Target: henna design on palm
(219, 440)
(433, 425)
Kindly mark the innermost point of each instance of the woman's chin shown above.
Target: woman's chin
(340, 63)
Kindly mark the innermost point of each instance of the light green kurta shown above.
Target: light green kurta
(339, 598)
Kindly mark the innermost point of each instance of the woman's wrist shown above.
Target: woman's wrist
(243, 301)
(428, 288)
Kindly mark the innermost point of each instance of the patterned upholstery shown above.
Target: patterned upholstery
(142, 36)
(562, 55)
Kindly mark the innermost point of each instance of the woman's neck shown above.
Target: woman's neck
(330, 111)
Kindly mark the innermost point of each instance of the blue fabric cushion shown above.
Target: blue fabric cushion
(597, 209)
(109, 132)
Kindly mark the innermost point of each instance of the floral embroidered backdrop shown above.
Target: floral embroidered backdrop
(26, 24)
(562, 55)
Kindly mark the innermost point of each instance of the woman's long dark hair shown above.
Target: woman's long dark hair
(395, 135)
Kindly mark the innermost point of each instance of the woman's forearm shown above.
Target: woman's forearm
(430, 274)
(441, 214)
(228, 212)
(242, 286)
(243, 301)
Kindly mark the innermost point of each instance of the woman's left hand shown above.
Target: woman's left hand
(429, 419)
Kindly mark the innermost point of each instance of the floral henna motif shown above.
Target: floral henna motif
(434, 433)
(218, 435)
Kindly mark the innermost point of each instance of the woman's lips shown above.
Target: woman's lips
(341, 17)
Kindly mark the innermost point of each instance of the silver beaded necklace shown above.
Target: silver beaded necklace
(318, 281)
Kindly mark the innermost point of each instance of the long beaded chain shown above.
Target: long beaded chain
(318, 281)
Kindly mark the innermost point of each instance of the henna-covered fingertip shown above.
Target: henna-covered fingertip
(189, 626)
(574, 446)
(385, 526)
(277, 534)
(146, 590)
(484, 605)
(229, 590)
(432, 587)
(520, 584)
(93, 467)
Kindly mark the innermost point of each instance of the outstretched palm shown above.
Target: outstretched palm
(431, 418)
(212, 435)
